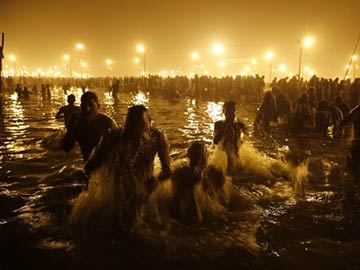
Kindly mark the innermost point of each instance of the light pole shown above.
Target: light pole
(306, 42)
(68, 59)
(84, 65)
(195, 57)
(80, 47)
(12, 58)
(269, 56)
(141, 49)
(109, 63)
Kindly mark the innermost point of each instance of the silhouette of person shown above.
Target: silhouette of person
(228, 132)
(185, 178)
(354, 118)
(67, 110)
(329, 116)
(26, 93)
(266, 113)
(19, 91)
(89, 127)
(48, 91)
(283, 108)
(115, 90)
(132, 162)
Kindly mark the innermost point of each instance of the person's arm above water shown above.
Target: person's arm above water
(243, 128)
(103, 149)
(350, 116)
(218, 131)
(163, 152)
(60, 113)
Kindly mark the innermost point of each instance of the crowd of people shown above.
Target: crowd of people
(300, 105)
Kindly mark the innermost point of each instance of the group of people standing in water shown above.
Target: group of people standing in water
(129, 152)
(308, 113)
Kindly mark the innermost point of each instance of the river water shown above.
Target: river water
(310, 224)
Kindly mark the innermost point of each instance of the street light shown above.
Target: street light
(68, 59)
(109, 63)
(12, 58)
(79, 46)
(141, 49)
(304, 43)
(269, 56)
(218, 49)
(194, 56)
(84, 65)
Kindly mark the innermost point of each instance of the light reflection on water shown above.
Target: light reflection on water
(28, 122)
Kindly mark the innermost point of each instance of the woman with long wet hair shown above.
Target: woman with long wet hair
(134, 163)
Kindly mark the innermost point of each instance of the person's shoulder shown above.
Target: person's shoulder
(104, 118)
(156, 132)
(219, 123)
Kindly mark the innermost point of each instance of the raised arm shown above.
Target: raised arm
(218, 131)
(163, 152)
(350, 116)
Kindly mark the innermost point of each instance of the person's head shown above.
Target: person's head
(229, 110)
(197, 154)
(71, 99)
(90, 104)
(338, 100)
(323, 105)
(137, 121)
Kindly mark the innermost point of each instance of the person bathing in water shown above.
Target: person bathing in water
(132, 163)
(354, 118)
(67, 111)
(184, 180)
(90, 129)
(228, 132)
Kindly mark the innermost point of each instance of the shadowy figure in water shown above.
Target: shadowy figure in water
(115, 90)
(43, 91)
(354, 118)
(133, 163)
(26, 93)
(197, 173)
(228, 133)
(34, 89)
(327, 116)
(284, 109)
(302, 119)
(67, 110)
(19, 91)
(266, 113)
(48, 92)
(89, 128)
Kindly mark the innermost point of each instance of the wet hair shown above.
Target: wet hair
(71, 98)
(134, 116)
(197, 154)
(88, 96)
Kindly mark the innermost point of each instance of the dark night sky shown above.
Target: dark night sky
(40, 32)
